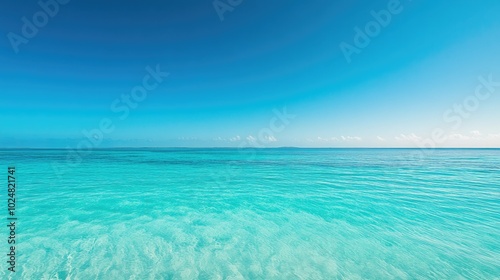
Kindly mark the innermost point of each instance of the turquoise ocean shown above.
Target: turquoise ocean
(254, 214)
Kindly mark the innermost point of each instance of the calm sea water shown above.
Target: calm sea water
(266, 214)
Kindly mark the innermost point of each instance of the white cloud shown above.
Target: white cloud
(457, 136)
(475, 133)
(380, 139)
(334, 139)
(187, 138)
(270, 138)
(494, 136)
(350, 138)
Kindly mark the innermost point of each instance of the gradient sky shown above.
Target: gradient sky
(228, 77)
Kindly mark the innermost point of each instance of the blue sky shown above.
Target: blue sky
(416, 81)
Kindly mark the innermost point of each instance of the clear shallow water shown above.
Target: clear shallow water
(275, 214)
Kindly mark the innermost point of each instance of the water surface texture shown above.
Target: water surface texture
(256, 214)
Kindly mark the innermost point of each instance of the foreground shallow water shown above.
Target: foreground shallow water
(265, 214)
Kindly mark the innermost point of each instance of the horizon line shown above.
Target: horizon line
(247, 148)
